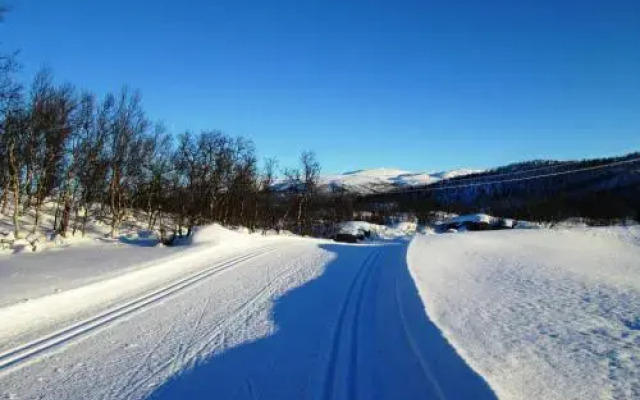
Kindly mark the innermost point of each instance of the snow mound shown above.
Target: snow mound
(215, 235)
(478, 218)
(474, 222)
(377, 232)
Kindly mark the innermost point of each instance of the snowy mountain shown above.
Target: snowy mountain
(381, 180)
(541, 190)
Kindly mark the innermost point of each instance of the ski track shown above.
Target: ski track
(294, 319)
(339, 331)
(22, 354)
(212, 336)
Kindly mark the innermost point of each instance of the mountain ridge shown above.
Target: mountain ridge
(377, 180)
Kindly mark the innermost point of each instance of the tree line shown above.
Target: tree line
(101, 157)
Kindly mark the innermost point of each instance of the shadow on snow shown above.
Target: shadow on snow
(292, 363)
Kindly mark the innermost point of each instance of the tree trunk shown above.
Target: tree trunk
(75, 221)
(5, 197)
(36, 220)
(114, 203)
(13, 170)
(299, 216)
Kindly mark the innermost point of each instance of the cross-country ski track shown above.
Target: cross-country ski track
(278, 319)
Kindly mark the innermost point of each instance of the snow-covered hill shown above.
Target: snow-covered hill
(381, 179)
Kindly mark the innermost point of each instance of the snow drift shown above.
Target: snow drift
(215, 235)
(541, 314)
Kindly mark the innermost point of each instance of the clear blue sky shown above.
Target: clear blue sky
(417, 84)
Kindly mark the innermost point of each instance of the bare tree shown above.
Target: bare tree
(266, 204)
(15, 124)
(310, 175)
(100, 159)
(50, 111)
(127, 125)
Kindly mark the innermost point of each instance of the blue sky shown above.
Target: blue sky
(419, 85)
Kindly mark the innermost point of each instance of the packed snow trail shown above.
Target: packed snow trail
(287, 319)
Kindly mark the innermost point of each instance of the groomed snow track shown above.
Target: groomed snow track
(286, 318)
(77, 330)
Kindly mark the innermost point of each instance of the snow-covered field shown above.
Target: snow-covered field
(541, 314)
(231, 316)
(513, 314)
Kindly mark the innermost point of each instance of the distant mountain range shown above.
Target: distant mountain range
(600, 189)
(381, 180)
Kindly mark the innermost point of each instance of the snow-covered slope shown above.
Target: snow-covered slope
(541, 314)
(382, 179)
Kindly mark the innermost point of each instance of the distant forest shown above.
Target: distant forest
(601, 191)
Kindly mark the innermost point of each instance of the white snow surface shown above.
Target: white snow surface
(541, 314)
(28, 276)
(235, 316)
(133, 230)
(379, 232)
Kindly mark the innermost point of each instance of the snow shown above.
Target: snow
(378, 232)
(513, 314)
(133, 230)
(541, 314)
(27, 276)
(384, 179)
(215, 234)
(478, 218)
(236, 316)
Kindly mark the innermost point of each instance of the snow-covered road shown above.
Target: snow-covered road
(282, 318)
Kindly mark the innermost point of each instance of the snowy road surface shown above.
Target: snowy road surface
(285, 318)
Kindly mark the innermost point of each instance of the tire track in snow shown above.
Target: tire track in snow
(330, 376)
(25, 353)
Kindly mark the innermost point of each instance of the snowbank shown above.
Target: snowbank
(541, 314)
(132, 230)
(478, 218)
(461, 223)
(379, 232)
(216, 234)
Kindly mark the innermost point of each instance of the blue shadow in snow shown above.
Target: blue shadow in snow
(291, 363)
